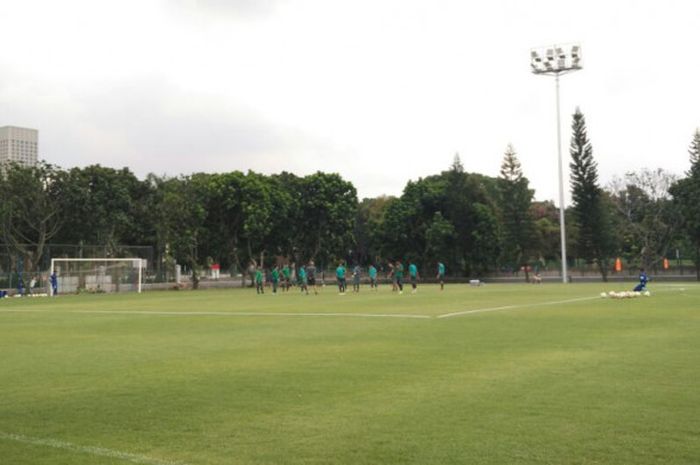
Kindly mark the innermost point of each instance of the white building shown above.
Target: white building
(19, 145)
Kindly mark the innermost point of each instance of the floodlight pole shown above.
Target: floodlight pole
(562, 220)
(556, 65)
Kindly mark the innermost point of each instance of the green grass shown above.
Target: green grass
(583, 382)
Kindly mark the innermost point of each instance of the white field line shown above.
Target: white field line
(98, 451)
(358, 315)
(666, 288)
(512, 307)
(292, 314)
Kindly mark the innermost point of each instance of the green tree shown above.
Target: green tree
(31, 205)
(327, 210)
(182, 203)
(514, 202)
(440, 238)
(103, 206)
(646, 217)
(594, 241)
(686, 195)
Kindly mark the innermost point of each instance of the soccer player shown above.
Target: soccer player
(373, 278)
(643, 279)
(286, 274)
(413, 274)
(441, 275)
(356, 278)
(259, 281)
(392, 275)
(311, 275)
(398, 275)
(275, 278)
(303, 287)
(20, 285)
(54, 283)
(340, 275)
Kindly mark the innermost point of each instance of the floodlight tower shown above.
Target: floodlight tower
(555, 61)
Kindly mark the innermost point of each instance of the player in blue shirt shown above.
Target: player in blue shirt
(643, 280)
(54, 283)
(441, 275)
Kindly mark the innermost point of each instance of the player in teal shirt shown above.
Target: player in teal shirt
(340, 274)
(441, 275)
(303, 280)
(398, 274)
(413, 274)
(373, 277)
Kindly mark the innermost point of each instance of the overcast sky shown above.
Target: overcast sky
(380, 91)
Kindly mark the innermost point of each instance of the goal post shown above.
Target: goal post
(98, 275)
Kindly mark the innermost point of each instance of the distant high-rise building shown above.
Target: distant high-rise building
(19, 145)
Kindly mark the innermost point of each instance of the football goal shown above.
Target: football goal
(98, 275)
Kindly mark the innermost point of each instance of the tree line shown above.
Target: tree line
(471, 222)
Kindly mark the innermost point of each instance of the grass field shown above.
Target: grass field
(547, 374)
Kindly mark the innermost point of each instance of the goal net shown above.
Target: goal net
(98, 275)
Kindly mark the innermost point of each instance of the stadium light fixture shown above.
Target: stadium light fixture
(560, 59)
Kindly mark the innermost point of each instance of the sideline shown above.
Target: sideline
(98, 451)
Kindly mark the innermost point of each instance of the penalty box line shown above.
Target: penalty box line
(90, 450)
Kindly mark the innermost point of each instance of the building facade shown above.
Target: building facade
(19, 145)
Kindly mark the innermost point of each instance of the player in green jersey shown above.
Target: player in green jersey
(286, 275)
(275, 277)
(259, 281)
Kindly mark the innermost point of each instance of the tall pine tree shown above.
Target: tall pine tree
(514, 200)
(594, 241)
(686, 194)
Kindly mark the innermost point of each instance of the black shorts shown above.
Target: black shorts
(312, 281)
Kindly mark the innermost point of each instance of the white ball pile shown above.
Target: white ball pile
(625, 294)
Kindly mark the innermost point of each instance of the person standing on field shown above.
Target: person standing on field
(373, 278)
(303, 286)
(413, 275)
(356, 278)
(392, 276)
(259, 281)
(311, 275)
(441, 275)
(398, 274)
(340, 275)
(286, 275)
(54, 283)
(275, 279)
